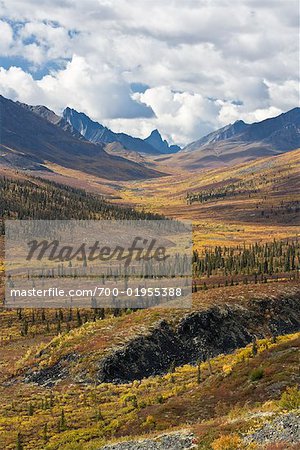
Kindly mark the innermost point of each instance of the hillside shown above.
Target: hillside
(23, 197)
(195, 376)
(240, 142)
(233, 395)
(30, 141)
(148, 342)
(254, 201)
(149, 291)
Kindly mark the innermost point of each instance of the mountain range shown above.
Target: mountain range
(239, 142)
(97, 133)
(33, 136)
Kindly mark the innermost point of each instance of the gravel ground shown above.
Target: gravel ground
(285, 428)
(171, 441)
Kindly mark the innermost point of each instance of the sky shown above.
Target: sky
(183, 67)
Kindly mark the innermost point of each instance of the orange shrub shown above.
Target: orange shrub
(227, 442)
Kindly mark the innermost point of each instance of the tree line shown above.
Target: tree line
(268, 258)
(229, 190)
(43, 200)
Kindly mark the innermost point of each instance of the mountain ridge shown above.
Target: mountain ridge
(223, 133)
(163, 146)
(98, 133)
(240, 142)
(52, 117)
(33, 136)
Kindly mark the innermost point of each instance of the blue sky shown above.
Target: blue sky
(185, 68)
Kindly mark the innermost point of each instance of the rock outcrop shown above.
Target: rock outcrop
(199, 335)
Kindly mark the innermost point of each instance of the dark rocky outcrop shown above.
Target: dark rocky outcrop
(211, 332)
(52, 374)
(219, 329)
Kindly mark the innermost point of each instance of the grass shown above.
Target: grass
(96, 414)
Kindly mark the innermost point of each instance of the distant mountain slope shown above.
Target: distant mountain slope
(28, 139)
(97, 133)
(161, 145)
(241, 142)
(254, 201)
(222, 134)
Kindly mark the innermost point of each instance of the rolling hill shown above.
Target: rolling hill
(29, 140)
(49, 372)
(255, 200)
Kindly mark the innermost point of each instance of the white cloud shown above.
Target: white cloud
(181, 115)
(53, 42)
(284, 94)
(99, 93)
(229, 113)
(6, 40)
(206, 63)
(19, 85)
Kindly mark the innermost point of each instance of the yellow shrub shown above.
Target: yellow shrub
(290, 399)
(244, 354)
(129, 398)
(149, 423)
(238, 410)
(227, 442)
(227, 369)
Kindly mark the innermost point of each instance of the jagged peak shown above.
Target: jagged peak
(155, 132)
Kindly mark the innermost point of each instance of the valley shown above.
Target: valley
(263, 207)
(149, 225)
(213, 377)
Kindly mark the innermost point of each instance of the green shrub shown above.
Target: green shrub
(160, 399)
(257, 374)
